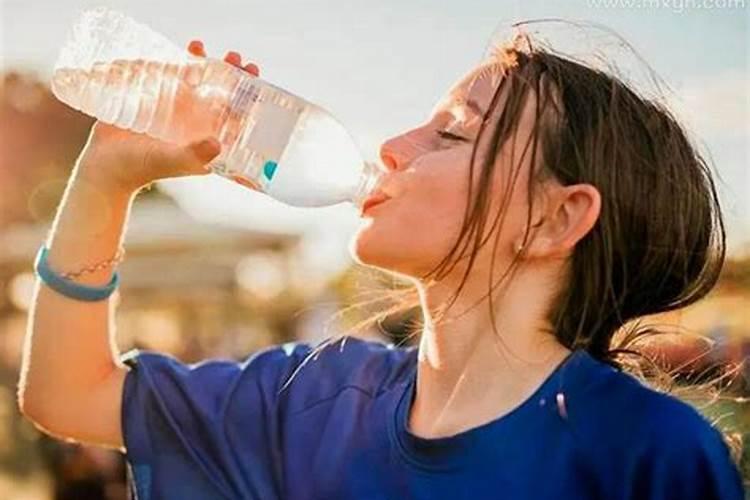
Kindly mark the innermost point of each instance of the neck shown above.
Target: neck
(468, 373)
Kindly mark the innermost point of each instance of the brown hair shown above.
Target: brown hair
(659, 242)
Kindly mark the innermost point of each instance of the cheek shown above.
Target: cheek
(412, 233)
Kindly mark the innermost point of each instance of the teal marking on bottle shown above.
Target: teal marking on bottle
(269, 169)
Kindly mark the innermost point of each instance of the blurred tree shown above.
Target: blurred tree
(40, 138)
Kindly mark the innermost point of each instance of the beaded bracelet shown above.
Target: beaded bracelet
(119, 256)
(70, 288)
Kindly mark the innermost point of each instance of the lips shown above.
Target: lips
(374, 199)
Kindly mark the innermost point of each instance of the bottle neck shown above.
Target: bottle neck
(369, 179)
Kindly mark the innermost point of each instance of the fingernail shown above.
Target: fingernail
(252, 68)
(195, 46)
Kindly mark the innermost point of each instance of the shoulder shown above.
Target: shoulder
(289, 376)
(296, 369)
(621, 424)
(323, 371)
(610, 399)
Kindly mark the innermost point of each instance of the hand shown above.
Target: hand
(123, 160)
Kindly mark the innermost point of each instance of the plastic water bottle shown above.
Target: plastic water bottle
(123, 73)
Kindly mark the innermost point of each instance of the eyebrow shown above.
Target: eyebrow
(471, 104)
(474, 106)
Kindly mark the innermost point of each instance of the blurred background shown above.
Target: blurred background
(208, 275)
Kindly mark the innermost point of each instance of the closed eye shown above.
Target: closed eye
(444, 134)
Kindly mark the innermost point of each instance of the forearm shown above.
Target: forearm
(69, 346)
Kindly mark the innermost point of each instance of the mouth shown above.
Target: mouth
(374, 200)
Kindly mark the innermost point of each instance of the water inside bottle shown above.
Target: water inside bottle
(158, 98)
(321, 166)
(272, 141)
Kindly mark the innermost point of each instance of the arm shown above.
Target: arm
(70, 383)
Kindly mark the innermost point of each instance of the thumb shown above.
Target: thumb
(192, 158)
(203, 151)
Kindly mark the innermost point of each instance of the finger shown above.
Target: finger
(234, 58)
(252, 68)
(190, 159)
(246, 182)
(196, 48)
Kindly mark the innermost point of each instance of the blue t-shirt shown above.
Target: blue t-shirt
(224, 430)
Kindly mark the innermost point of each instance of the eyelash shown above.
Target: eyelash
(444, 134)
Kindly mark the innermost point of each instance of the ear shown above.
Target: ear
(571, 213)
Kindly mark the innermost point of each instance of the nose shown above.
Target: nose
(388, 155)
(394, 152)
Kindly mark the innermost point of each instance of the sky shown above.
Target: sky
(380, 66)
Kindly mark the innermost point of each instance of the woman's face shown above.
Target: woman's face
(427, 180)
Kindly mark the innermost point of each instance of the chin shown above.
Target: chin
(365, 249)
(369, 249)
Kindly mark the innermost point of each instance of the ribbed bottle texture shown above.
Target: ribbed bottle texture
(123, 73)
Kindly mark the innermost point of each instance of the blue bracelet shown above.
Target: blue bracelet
(71, 288)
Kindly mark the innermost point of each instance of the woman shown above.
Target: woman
(540, 207)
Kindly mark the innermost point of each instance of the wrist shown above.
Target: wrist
(94, 172)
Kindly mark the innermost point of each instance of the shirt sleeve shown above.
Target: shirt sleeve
(207, 430)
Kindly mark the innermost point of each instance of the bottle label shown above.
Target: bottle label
(270, 117)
